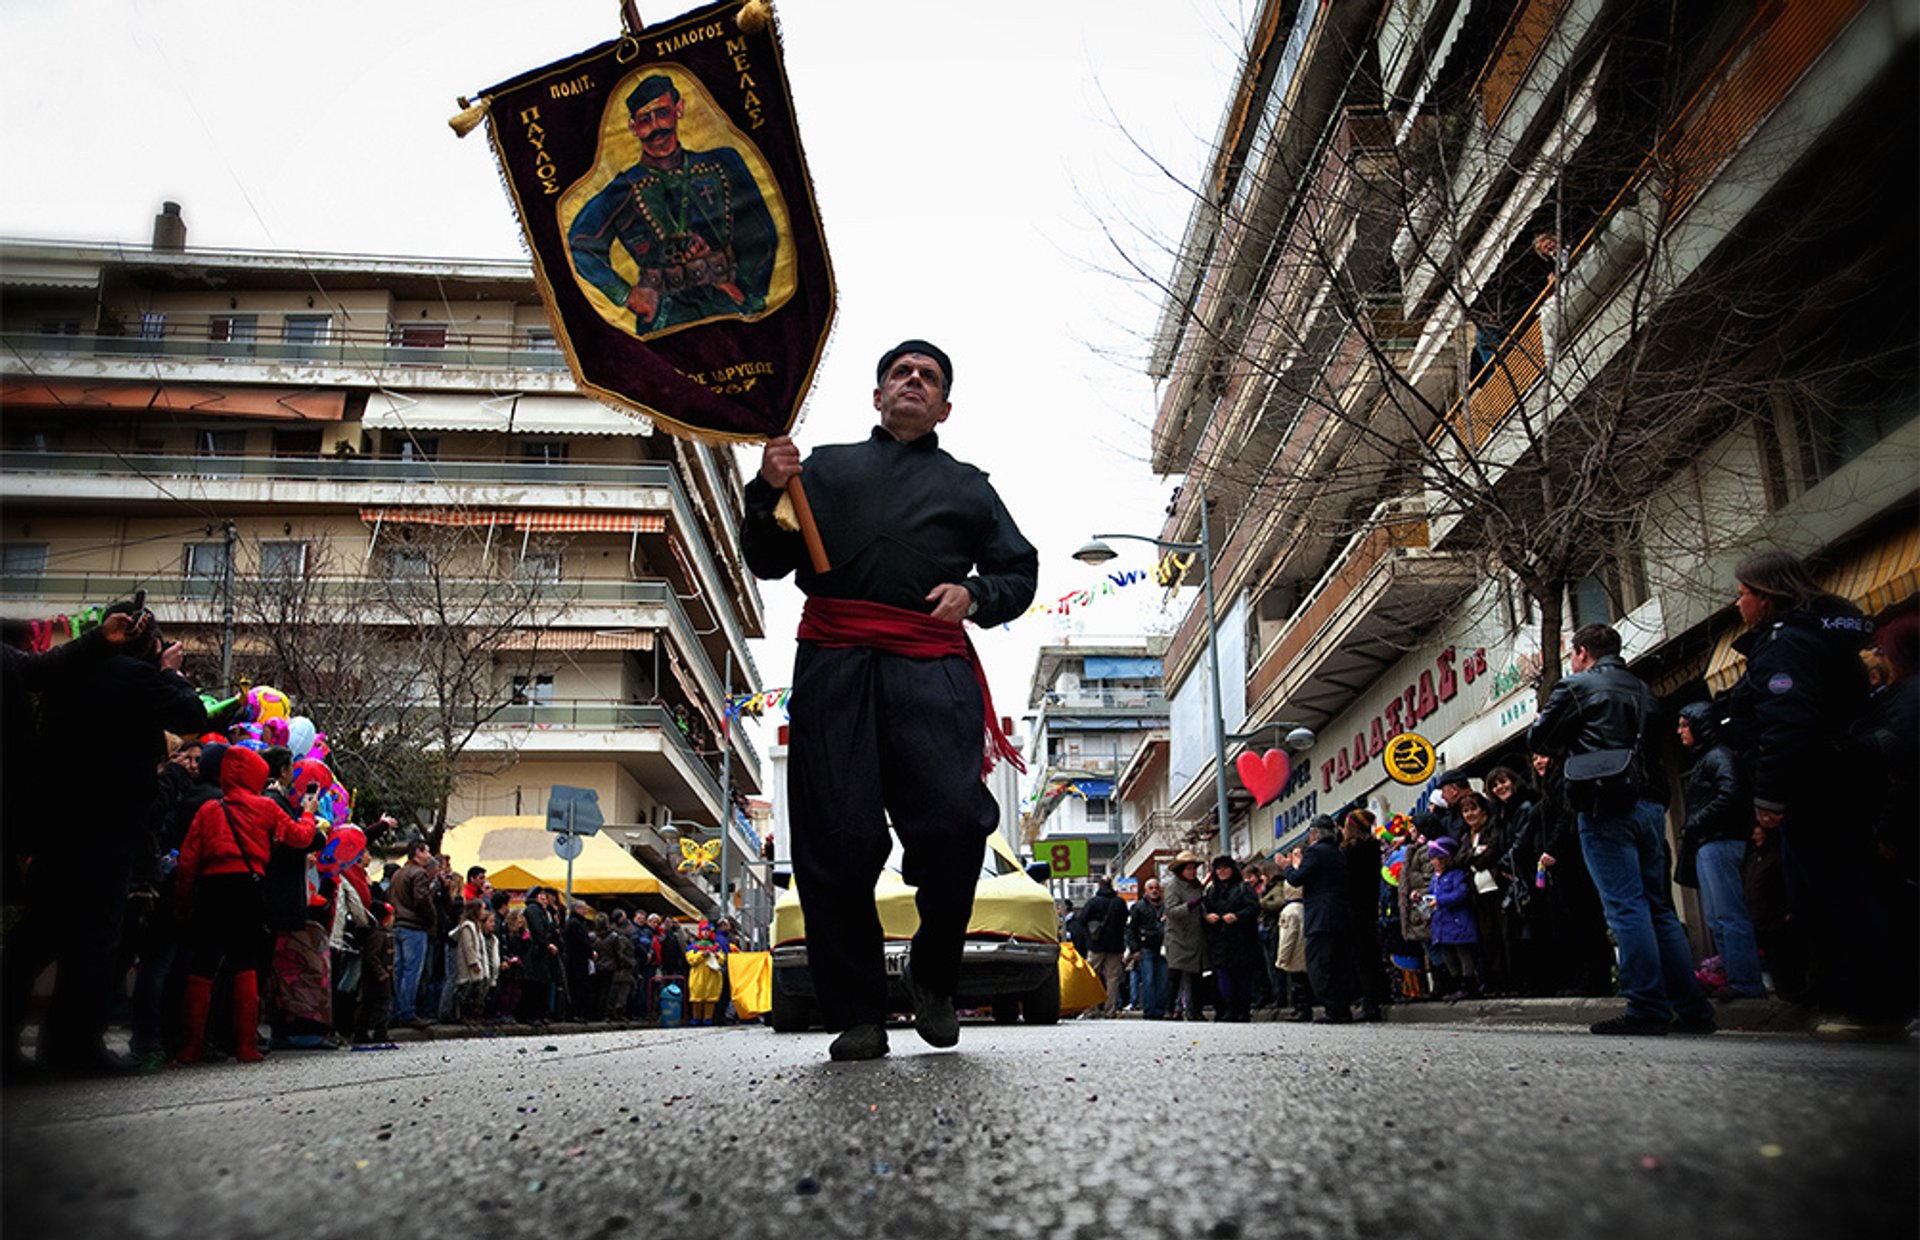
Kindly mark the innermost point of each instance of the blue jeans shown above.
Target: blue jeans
(1150, 982)
(1723, 901)
(1627, 857)
(409, 960)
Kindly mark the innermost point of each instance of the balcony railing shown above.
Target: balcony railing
(1394, 526)
(355, 350)
(106, 587)
(1107, 699)
(86, 589)
(339, 469)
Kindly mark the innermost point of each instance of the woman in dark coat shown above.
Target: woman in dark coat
(540, 967)
(1232, 914)
(1483, 848)
(1803, 693)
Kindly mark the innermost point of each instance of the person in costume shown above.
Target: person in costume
(705, 975)
(889, 710)
(693, 223)
(219, 888)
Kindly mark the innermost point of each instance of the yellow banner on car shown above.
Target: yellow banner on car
(1080, 986)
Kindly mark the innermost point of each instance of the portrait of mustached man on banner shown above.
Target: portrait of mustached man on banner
(680, 221)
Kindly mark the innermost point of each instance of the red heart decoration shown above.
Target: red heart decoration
(1264, 774)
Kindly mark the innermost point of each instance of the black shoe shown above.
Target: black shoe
(933, 1016)
(1333, 1018)
(102, 1064)
(1630, 1026)
(859, 1042)
(1693, 1028)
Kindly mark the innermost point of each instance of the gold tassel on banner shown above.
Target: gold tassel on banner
(754, 16)
(469, 117)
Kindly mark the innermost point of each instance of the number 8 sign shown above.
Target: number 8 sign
(1064, 858)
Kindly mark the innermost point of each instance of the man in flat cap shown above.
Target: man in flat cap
(890, 716)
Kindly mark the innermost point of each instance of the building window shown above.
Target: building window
(283, 560)
(35, 439)
(419, 342)
(23, 559)
(417, 448)
(153, 326)
(407, 564)
(533, 690)
(1100, 810)
(540, 566)
(1609, 592)
(221, 443)
(540, 339)
(296, 443)
(306, 335)
(306, 328)
(233, 335)
(544, 451)
(206, 561)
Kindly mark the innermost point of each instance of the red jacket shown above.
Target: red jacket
(211, 846)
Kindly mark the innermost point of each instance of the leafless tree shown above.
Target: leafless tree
(1433, 319)
(404, 661)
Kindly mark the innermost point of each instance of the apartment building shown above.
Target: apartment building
(1496, 319)
(1095, 703)
(368, 450)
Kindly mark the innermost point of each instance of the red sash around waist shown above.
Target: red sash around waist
(840, 623)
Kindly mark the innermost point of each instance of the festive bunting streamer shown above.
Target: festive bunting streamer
(1168, 572)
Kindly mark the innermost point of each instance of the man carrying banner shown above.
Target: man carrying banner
(693, 222)
(889, 706)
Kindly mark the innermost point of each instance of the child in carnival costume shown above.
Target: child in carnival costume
(704, 974)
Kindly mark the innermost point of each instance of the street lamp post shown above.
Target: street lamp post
(1096, 553)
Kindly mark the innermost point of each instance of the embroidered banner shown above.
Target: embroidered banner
(665, 199)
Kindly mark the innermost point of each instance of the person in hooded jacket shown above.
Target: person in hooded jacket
(1802, 695)
(1713, 846)
(1231, 912)
(218, 887)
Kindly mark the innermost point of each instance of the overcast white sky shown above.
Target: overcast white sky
(965, 154)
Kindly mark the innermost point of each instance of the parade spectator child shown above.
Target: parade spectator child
(1450, 895)
(703, 974)
(376, 976)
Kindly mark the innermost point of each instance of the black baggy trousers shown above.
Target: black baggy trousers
(877, 737)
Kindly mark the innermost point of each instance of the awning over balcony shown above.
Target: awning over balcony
(512, 415)
(1878, 577)
(576, 639)
(544, 522)
(195, 399)
(26, 273)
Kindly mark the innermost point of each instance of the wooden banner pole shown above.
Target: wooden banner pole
(809, 532)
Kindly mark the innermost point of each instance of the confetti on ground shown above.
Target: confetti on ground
(1649, 1163)
(1771, 1151)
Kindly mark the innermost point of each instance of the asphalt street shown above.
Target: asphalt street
(1087, 1129)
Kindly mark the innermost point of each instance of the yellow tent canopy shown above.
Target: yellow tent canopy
(517, 851)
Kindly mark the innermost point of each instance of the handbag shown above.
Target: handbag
(259, 894)
(1602, 781)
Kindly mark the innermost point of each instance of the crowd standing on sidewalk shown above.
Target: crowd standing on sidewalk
(1794, 813)
(228, 885)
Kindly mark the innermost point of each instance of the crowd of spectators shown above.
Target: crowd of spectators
(1792, 810)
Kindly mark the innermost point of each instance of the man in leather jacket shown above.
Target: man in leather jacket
(1602, 708)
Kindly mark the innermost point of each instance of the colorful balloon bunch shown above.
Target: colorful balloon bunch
(266, 721)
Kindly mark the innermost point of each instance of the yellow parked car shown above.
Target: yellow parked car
(1011, 962)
